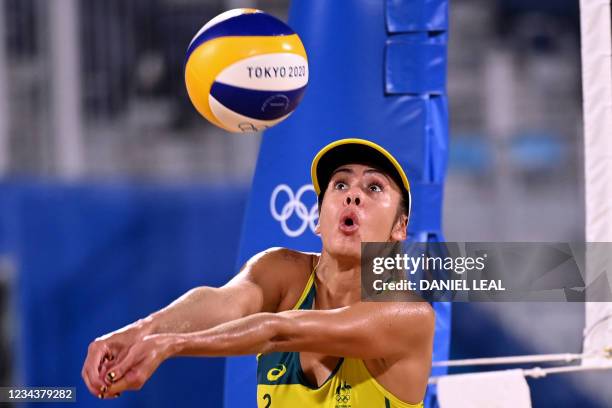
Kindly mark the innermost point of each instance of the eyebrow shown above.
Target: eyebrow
(341, 170)
(350, 171)
(377, 171)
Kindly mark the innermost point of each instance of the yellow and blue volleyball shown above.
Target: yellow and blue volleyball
(246, 70)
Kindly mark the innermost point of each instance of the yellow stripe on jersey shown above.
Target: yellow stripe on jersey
(305, 292)
(303, 296)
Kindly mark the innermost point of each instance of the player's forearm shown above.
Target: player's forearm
(249, 335)
(342, 332)
(198, 309)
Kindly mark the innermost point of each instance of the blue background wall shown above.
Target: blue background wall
(91, 259)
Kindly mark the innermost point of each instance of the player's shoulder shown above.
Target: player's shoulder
(281, 266)
(286, 257)
(286, 269)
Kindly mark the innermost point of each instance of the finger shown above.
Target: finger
(93, 356)
(102, 363)
(107, 396)
(127, 382)
(115, 371)
(120, 354)
(107, 368)
(90, 368)
(133, 380)
(93, 388)
(86, 380)
(106, 362)
(138, 374)
(115, 359)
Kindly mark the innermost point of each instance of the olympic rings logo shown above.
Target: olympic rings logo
(343, 398)
(294, 205)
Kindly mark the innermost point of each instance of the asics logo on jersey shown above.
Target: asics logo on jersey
(276, 372)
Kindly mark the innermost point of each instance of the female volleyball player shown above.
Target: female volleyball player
(318, 345)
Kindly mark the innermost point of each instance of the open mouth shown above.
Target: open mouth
(349, 223)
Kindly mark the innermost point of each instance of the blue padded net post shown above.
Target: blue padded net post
(378, 72)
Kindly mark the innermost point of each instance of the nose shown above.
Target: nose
(354, 199)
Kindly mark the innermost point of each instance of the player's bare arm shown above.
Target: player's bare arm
(250, 291)
(396, 332)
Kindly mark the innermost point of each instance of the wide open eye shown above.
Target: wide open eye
(340, 185)
(375, 188)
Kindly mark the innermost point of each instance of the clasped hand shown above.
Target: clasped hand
(123, 361)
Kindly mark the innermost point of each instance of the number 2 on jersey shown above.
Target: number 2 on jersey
(268, 399)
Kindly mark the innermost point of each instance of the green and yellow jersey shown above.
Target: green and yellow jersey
(281, 383)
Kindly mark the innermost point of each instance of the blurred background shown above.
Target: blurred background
(110, 178)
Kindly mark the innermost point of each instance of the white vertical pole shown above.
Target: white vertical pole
(596, 35)
(66, 87)
(4, 106)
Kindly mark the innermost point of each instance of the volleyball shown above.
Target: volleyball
(246, 70)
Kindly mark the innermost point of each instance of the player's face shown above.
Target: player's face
(360, 204)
